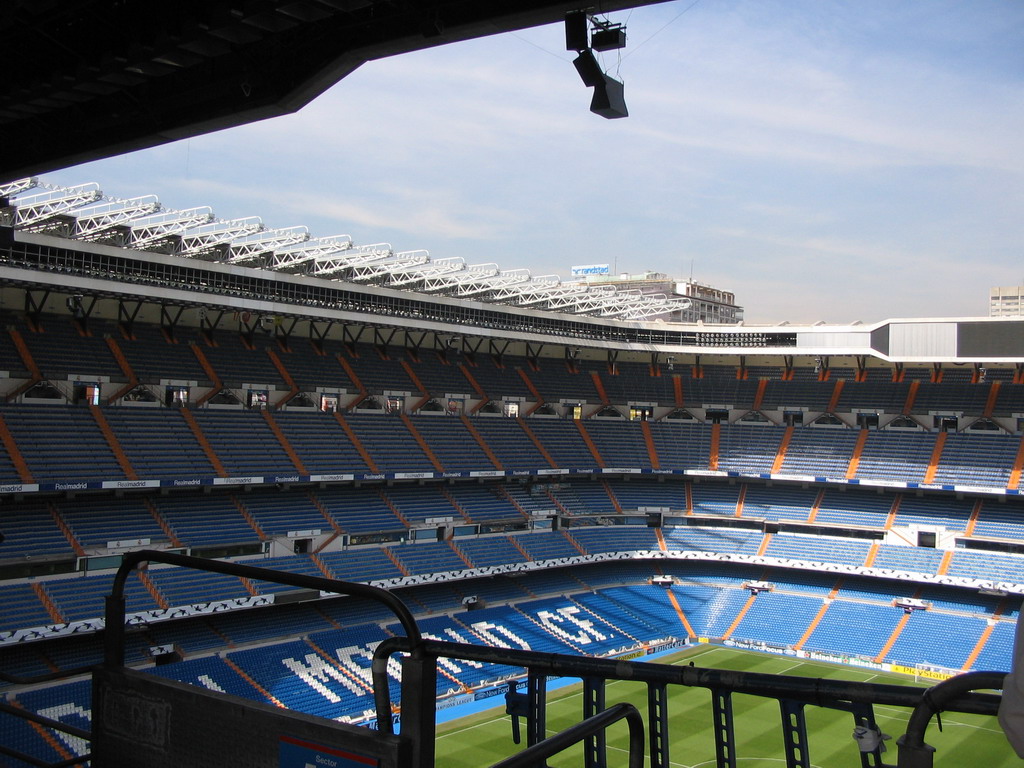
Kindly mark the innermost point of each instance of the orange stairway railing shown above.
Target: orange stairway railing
(933, 464)
(211, 455)
(858, 449)
(652, 449)
(780, 455)
(284, 443)
(113, 442)
(589, 442)
(14, 454)
(716, 434)
(421, 442)
(353, 438)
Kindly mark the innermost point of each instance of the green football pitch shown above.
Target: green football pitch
(966, 740)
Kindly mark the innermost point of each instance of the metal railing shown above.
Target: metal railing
(419, 684)
(793, 694)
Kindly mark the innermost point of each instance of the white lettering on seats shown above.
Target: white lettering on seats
(316, 671)
(587, 633)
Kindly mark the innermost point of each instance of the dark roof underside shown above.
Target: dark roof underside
(88, 79)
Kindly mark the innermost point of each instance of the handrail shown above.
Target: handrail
(25, 714)
(115, 603)
(792, 693)
(56, 725)
(818, 691)
(42, 763)
(576, 733)
(46, 677)
(914, 753)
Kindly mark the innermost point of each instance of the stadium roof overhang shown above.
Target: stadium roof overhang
(88, 79)
(39, 261)
(83, 213)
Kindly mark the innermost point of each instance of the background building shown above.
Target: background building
(1005, 301)
(707, 303)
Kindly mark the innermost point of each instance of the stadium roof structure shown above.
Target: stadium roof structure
(88, 79)
(77, 243)
(84, 213)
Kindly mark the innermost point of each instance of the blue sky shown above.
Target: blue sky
(834, 161)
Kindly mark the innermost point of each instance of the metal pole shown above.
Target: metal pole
(536, 754)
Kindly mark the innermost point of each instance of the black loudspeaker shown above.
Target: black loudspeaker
(575, 31)
(609, 100)
(589, 69)
(608, 39)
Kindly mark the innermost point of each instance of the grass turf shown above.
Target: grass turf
(966, 740)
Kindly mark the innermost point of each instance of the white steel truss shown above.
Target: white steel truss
(163, 227)
(503, 279)
(330, 266)
(419, 273)
(588, 299)
(7, 189)
(296, 257)
(372, 272)
(95, 221)
(250, 247)
(449, 284)
(654, 308)
(34, 211)
(538, 292)
(215, 237)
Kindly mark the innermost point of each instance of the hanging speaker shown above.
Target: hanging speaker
(609, 100)
(576, 31)
(589, 69)
(608, 39)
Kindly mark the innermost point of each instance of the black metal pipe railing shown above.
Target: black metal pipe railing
(46, 722)
(25, 714)
(30, 760)
(115, 607)
(46, 677)
(793, 694)
(818, 691)
(114, 631)
(536, 754)
(419, 674)
(914, 753)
